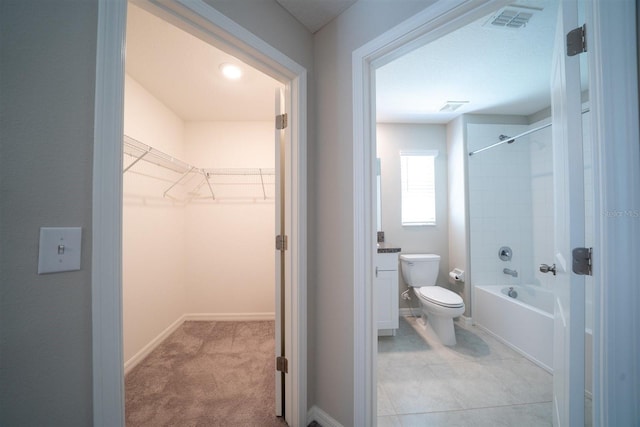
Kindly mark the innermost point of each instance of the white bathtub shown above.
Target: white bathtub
(524, 323)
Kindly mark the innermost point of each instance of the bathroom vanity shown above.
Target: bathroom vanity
(385, 284)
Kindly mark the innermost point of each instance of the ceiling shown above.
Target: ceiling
(498, 71)
(183, 72)
(315, 14)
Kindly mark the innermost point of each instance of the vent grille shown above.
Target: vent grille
(512, 17)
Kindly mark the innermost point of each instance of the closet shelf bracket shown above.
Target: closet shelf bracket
(137, 159)
(206, 178)
(184, 175)
(264, 193)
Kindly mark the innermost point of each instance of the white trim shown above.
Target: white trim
(436, 20)
(612, 55)
(208, 23)
(318, 415)
(106, 240)
(152, 345)
(466, 321)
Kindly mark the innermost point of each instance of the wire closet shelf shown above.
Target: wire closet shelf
(214, 184)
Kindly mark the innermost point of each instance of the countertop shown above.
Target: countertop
(386, 248)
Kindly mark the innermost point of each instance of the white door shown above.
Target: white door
(568, 171)
(281, 253)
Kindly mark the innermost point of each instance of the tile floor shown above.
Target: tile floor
(478, 382)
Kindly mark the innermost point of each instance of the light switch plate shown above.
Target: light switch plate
(60, 249)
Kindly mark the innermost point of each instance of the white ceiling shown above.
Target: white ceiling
(498, 71)
(315, 14)
(183, 72)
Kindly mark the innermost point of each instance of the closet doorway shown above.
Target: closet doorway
(203, 196)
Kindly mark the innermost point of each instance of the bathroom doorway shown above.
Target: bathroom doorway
(454, 101)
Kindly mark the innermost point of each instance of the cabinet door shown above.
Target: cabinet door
(386, 288)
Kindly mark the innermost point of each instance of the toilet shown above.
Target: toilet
(438, 305)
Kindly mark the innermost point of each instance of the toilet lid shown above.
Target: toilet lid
(441, 296)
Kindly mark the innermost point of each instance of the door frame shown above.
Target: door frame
(202, 20)
(614, 107)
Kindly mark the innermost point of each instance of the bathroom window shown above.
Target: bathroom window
(417, 170)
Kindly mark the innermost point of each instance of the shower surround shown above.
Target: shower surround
(510, 204)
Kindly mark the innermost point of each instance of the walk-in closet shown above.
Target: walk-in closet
(198, 216)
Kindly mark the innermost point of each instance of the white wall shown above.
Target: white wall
(457, 155)
(230, 255)
(500, 205)
(153, 242)
(331, 222)
(197, 257)
(391, 140)
(541, 158)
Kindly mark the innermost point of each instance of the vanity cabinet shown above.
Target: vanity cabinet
(385, 283)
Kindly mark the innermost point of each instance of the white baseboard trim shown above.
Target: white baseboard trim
(466, 321)
(229, 317)
(219, 317)
(318, 415)
(139, 356)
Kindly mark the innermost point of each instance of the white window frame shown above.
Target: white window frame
(428, 218)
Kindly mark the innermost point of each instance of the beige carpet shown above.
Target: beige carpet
(206, 374)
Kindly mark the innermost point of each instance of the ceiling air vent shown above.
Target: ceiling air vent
(512, 17)
(451, 106)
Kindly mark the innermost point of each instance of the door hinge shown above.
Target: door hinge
(282, 365)
(281, 242)
(281, 121)
(582, 261)
(577, 41)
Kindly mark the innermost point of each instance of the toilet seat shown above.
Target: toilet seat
(440, 296)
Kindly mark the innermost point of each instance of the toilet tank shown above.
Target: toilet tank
(420, 269)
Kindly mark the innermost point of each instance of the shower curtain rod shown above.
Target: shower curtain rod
(511, 139)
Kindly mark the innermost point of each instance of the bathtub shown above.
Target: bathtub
(524, 323)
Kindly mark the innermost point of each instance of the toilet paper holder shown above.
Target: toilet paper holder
(457, 275)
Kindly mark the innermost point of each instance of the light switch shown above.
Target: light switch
(60, 249)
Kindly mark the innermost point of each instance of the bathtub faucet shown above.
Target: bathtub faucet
(513, 273)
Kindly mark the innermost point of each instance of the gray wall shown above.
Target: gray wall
(47, 84)
(390, 140)
(331, 188)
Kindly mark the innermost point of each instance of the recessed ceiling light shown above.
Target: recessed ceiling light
(230, 71)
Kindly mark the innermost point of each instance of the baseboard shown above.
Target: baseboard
(466, 321)
(318, 415)
(219, 317)
(229, 317)
(139, 356)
